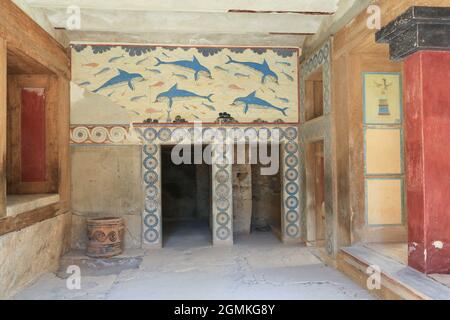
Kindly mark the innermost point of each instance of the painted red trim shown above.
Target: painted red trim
(32, 160)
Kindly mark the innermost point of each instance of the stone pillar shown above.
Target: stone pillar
(421, 37)
(242, 198)
(152, 215)
(222, 200)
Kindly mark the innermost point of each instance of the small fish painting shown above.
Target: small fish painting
(137, 98)
(287, 75)
(221, 69)
(210, 107)
(114, 59)
(282, 99)
(241, 75)
(84, 84)
(104, 70)
(151, 110)
(153, 70)
(157, 84)
(235, 87)
(141, 61)
(179, 75)
(91, 65)
(283, 63)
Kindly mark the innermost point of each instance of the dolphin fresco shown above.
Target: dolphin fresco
(194, 65)
(174, 92)
(122, 78)
(260, 67)
(251, 99)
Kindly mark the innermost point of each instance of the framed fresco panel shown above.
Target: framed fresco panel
(383, 151)
(385, 202)
(382, 98)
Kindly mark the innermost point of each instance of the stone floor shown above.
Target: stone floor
(256, 267)
(399, 252)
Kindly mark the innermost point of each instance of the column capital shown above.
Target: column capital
(419, 28)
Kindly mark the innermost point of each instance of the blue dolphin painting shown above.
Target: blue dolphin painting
(260, 67)
(174, 92)
(251, 99)
(122, 78)
(194, 65)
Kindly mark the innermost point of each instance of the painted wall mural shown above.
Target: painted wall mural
(135, 84)
(383, 149)
(382, 98)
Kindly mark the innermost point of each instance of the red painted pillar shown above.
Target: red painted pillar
(421, 37)
(427, 134)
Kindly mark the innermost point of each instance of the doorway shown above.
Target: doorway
(186, 202)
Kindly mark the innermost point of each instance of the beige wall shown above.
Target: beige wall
(354, 52)
(106, 181)
(27, 254)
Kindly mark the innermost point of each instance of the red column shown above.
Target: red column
(427, 133)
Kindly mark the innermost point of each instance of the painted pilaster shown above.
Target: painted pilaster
(222, 200)
(290, 207)
(320, 129)
(421, 36)
(152, 217)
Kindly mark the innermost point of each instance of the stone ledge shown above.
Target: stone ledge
(17, 204)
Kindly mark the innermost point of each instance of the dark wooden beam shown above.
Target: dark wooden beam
(27, 37)
(27, 219)
(3, 125)
(419, 28)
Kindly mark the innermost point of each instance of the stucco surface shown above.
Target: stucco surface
(27, 254)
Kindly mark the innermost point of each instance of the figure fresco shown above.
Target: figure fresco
(125, 84)
(382, 98)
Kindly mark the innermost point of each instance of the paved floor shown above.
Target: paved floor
(256, 267)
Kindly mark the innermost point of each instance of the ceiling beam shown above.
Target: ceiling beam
(39, 16)
(254, 39)
(187, 22)
(320, 6)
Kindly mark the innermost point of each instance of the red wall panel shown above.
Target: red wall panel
(33, 135)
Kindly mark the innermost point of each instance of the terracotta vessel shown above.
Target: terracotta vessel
(105, 237)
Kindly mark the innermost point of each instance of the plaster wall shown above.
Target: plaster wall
(27, 254)
(106, 181)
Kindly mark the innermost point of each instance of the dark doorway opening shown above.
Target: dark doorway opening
(186, 202)
(256, 200)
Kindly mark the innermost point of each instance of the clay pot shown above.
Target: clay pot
(105, 237)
